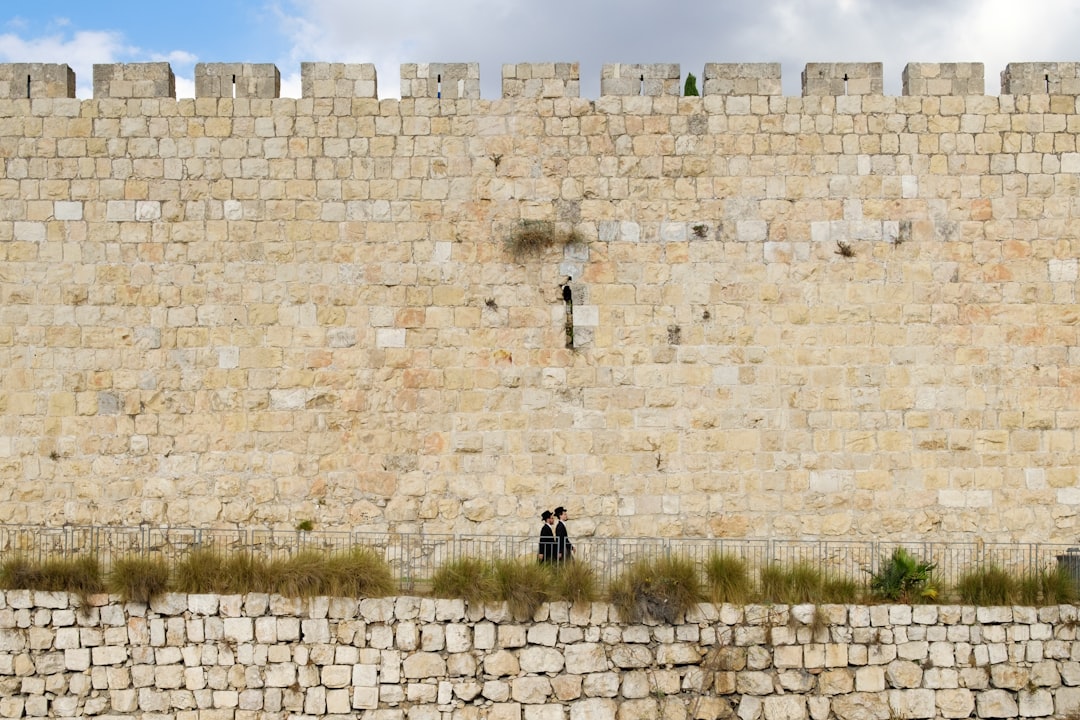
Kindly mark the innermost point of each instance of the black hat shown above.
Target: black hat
(559, 511)
(545, 515)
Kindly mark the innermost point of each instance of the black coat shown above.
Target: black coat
(562, 541)
(548, 550)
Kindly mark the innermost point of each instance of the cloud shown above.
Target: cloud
(82, 49)
(792, 32)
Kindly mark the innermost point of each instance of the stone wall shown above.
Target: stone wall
(839, 315)
(258, 656)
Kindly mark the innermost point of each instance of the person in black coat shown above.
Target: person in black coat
(564, 548)
(548, 551)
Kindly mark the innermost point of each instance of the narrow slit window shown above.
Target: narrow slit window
(438, 85)
(568, 327)
(27, 86)
(234, 86)
(641, 85)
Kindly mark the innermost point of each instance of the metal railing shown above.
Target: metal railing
(414, 557)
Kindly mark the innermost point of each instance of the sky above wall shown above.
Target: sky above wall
(492, 32)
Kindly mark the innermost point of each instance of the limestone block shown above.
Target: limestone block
(134, 80)
(943, 79)
(955, 703)
(540, 660)
(585, 658)
(338, 80)
(861, 706)
(636, 684)
(1049, 78)
(36, 80)
(594, 709)
(602, 684)
(1035, 703)
(904, 674)
(741, 79)
(566, 687)
(754, 682)
(785, 707)
(996, 704)
(648, 79)
(530, 690)
(631, 656)
(501, 663)
(541, 80)
(424, 665)
(822, 79)
(440, 80)
(237, 80)
(835, 682)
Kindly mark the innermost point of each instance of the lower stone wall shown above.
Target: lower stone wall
(210, 657)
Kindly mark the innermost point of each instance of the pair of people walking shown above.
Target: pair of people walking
(555, 545)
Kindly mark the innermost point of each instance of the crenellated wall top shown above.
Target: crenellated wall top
(453, 81)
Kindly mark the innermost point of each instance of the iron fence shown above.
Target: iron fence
(414, 557)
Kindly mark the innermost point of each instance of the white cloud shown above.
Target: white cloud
(80, 51)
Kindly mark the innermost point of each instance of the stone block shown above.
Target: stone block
(448, 81)
(824, 79)
(338, 80)
(943, 79)
(36, 80)
(741, 79)
(134, 80)
(1041, 78)
(237, 80)
(649, 80)
(541, 80)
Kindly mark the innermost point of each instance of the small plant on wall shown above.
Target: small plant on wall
(534, 236)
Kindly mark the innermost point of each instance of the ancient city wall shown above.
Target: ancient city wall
(257, 656)
(843, 314)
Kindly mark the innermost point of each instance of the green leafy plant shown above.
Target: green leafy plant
(728, 579)
(139, 579)
(661, 588)
(690, 86)
(903, 577)
(305, 526)
(986, 585)
(804, 583)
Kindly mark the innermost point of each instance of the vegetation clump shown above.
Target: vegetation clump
(904, 578)
(662, 589)
(534, 236)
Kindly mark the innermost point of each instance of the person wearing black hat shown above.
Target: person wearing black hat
(564, 548)
(547, 550)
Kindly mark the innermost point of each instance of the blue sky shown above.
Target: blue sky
(493, 32)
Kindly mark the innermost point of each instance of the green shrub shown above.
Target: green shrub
(469, 578)
(728, 579)
(139, 579)
(359, 572)
(988, 585)
(575, 582)
(200, 571)
(305, 574)
(904, 578)
(791, 585)
(690, 87)
(662, 588)
(1050, 586)
(81, 576)
(525, 585)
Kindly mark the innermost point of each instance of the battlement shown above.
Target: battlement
(455, 81)
(36, 80)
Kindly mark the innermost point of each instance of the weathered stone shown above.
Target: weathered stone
(585, 658)
(861, 706)
(996, 704)
(955, 703)
(424, 665)
(530, 690)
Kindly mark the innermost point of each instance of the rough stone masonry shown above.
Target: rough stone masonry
(844, 314)
(256, 656)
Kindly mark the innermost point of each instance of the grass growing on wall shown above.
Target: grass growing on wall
(662, 588)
